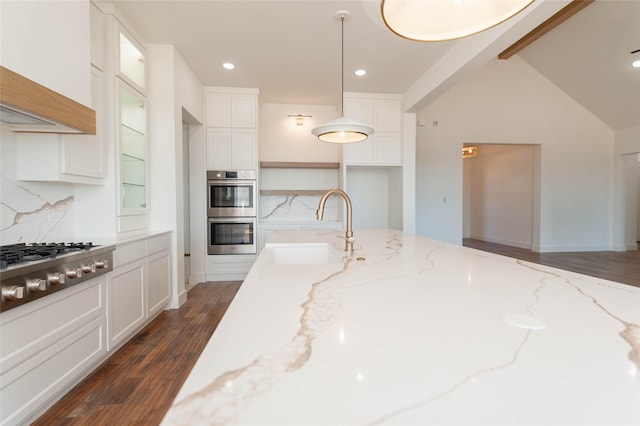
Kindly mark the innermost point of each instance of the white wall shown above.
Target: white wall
(172, 87)
(509, 102)
(499, 194)
(281, 140)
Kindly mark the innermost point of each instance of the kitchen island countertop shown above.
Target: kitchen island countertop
(409, 330)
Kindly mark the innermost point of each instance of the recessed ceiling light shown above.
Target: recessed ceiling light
(636, 62)
(228, 66)
(360, 73)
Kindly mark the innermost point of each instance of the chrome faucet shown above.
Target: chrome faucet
(348, 235)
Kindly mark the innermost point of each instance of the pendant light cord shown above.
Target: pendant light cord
(342, 67)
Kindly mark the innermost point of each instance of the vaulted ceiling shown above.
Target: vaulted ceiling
(291, 50)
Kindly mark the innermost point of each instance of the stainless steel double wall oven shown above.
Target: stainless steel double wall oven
(231, 212)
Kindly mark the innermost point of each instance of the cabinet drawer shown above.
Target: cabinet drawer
(29, 329)
(46, 375)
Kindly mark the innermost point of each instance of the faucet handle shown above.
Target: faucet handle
(349, 239)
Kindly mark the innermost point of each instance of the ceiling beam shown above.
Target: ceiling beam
(565, 13)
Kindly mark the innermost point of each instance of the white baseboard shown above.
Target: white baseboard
(195, 279)
(560, 249)
(511, 243)
(227, 276)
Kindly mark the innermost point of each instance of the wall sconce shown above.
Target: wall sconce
(299, 118)
(469, 151)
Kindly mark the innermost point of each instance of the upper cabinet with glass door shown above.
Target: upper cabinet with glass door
(131, 65)
(133, 150)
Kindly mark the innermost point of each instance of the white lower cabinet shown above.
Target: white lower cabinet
(231, 267)
(158, 274)
(138, 287)
(47, 346)
(126, 301)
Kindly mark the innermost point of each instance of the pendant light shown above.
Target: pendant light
(439, 20)
(343, 129)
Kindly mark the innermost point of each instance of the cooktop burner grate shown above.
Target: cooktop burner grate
(15, 254)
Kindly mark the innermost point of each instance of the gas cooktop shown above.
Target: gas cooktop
(16, 254)
(31, 271)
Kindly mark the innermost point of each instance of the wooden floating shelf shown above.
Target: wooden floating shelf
(298, 165)
(293, 191)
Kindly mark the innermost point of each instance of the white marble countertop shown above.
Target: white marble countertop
(419, 332)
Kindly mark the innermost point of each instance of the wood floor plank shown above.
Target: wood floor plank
(137, 385)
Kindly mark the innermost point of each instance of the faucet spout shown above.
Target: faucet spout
(348, 235)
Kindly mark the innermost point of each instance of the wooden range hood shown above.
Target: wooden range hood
(30, 107)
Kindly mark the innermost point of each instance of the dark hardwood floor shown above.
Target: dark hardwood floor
(622, 267)
(137, 385)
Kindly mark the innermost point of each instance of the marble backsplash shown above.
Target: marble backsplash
(295, 208)
(31, 211)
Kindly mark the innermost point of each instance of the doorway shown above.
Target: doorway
(186, 204)
(501, 195)
(631, 196)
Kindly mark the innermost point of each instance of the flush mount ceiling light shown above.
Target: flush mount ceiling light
(440, 20)
(469, 151)
(343, 129)
(228, 66)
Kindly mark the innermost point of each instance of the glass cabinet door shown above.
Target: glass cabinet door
(133, 149)
(131, 66)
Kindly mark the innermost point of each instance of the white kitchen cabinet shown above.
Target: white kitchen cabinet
(47, 346)
(231, 110)
(231, 121)
(126, 298)
(158, 274)
(384, 114)
(133, 151)
(231, 149)
(66, 157)
(97, 37)
(232, 267)
(139, 287)
(130, 59)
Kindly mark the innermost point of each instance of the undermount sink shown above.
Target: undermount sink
(302, 254)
